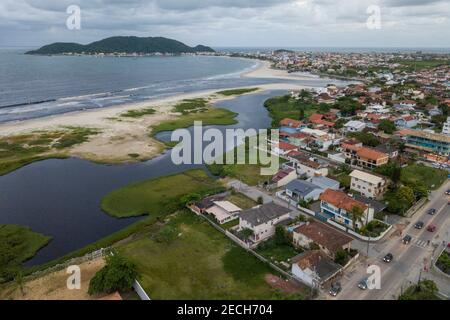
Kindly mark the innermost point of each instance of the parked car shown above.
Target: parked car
(419, 225)
(447, 192)
(432, 211)
(406, 239)
(388, 258)
(431, 228)
(363, 284)
(335, 289)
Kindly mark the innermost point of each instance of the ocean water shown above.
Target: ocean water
(38, 86)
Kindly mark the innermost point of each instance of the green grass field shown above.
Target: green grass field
(201, 263)
(422, 64)
(157, 196)
(20, 150)
(417, 173)
(17, 244)
(210, 116)
(236, 92)
(286, 107)
(138, 113)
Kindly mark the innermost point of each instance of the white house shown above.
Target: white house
(367, 184)
(354, 126)
(314, 268)
(262, 220)
(224, 211)
(308, 167)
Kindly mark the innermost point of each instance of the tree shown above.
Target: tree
(247, 233)
(405, 194)
(190, 198)
(280, 235)
(357, 214)
(260, 200)
(341, 257)
(117, 274)
(425, 290)
(167, 235)
(387, 126)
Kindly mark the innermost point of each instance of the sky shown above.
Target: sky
(232, 23)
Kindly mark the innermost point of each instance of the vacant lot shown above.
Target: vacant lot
(199, 263)
(53, 286)
(419, 174)
(157, 196)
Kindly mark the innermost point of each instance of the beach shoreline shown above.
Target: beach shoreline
(119, 136)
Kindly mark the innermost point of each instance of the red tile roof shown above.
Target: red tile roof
(324, 235)
(371, 154)
(286, 146)
(291, 123)
(341, 200)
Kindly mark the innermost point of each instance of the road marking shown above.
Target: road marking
(420, 243)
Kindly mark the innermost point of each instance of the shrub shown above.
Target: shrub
(117, 274)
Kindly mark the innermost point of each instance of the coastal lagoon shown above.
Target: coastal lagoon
(61, 198)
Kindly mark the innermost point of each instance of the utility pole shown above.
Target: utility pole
(368, 239)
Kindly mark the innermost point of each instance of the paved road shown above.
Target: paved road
(408, 259)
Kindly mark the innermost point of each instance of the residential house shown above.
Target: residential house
(283, 177)
(406, 121)
(367, 184)
(292, 124)
(262, 220)
(338, 206)
(224, 211)
(301, 190)
(327, 238)
(354, 126)
(407, 104)
(324, 182)
(200, 207)
(283, 148)
(318, 120)
(307, 167)
(315, 268)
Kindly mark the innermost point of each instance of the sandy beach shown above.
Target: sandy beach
(121, 136)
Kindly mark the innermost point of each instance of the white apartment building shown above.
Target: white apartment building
(369, 185)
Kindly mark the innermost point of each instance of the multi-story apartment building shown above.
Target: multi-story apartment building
(427, 141)
(367, 184)
(363, 156)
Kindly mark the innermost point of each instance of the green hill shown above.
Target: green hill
(128, 45)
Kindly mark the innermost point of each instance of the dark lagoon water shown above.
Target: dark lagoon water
(61, 198)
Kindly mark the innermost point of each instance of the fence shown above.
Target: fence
(415, 207)
(249, 249)
(74, 261)
(140, 291)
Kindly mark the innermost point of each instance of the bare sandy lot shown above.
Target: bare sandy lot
(54, 285)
